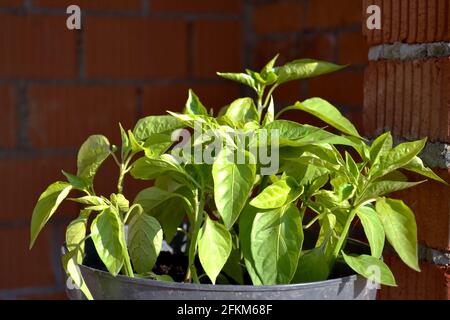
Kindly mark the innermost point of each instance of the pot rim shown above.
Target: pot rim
(220, 287)
(223, 287)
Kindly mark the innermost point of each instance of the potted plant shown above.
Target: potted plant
(247, 205)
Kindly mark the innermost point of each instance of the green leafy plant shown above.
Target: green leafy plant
(244, 225)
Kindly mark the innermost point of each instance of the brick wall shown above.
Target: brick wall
(133, 58)
(407, 91)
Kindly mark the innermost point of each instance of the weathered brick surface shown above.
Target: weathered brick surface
(36, 47)
(113, 5)
(16, 259)
(411, 21)
(25, 178)
(65, 116)
(196, 6)
(343, 88)
(410, 98)
(10, 3)
(278, 17)
(8, 119)
(130, 48)
(352, 48)
(226, 48)
(158, 99)
(326, 14)
(432, 283)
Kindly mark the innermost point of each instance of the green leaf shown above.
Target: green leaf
(75, 234)
(401, 230)
(373, 228)
(91, 155)
(270, 115)
(148, 126)
(239, 77)
(149, 168)
(276, 243)
(242, 111)
(278, 194)
(398, 157)
(232, 184)
(169, 208)
(90, 200)
(304, 69)
(380, 147)
(214, 248)
(120, 202)
(126, 147)
(372, 268)
(312, 267)
(328, 113)
(194, 106)
(233, 267)
(144, 242)
(245, 228)
(106, 233)
(46, 206)
(416, 165)
(70, 265)
(76, 182)
(381, 188)
(268, 70)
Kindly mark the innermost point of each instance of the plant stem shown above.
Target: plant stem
(284, 110)
(198, 216)
(266, 102)
(121, 177)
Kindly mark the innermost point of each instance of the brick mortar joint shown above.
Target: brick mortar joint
(407, 52)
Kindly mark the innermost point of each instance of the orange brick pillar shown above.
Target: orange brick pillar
(407, 92)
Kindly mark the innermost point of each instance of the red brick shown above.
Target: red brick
(319, 46)
(431, 205)
(432, 20)
(423, 23)
(341, 88)
(378, 33)
(36, 46)
(407, 99)
(135, 47)
(365, 31)
(413, 21)
(287, 48)
(381, 97)
(8, 118)
(24, 179)
(370, 98)
(114, 5)
(441, 18)
(196, 6)
(217, 46)
(352, 48)
(278, 17)
(64, 116)
(52, 296)
(432, 283)
(390, 95)
(20, 267)
(404, 9)
(11, 3)
(158, 99)
(326, 14)
(386, 25)
(423, 93)
(396, 16)
(398, 103)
